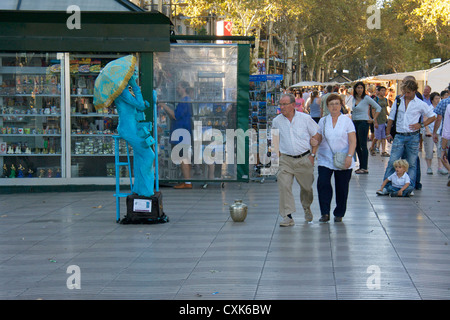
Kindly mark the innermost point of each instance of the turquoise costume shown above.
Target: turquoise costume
(138, 134)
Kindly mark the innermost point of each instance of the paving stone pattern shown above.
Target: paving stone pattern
(385, 248)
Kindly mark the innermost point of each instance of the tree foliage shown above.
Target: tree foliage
(245, 14)
(335, 34)
(427, 17)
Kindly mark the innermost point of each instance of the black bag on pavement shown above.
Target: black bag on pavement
(145, 210)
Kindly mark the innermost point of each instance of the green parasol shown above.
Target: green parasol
(112, 80)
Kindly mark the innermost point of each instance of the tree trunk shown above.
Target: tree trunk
(269, 47)
(256, 52)
(289, 58)
(300, 62)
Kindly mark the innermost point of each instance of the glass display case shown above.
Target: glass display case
(49, 127)
(91, 131)
(202, 80)
(36, 137)
(31, 127)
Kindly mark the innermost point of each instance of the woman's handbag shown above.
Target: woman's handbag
(339, 160)
(338, 157)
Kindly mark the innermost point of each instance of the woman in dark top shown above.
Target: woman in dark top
(361, 119)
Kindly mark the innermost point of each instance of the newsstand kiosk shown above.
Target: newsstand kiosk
(53, 139)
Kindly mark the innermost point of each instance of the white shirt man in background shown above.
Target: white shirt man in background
(406, 142)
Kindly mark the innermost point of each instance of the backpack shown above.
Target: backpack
(394, 124)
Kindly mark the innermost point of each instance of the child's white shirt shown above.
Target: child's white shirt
(399, 182)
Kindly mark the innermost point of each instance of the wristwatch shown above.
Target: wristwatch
(313, 155)
(421, 125)
(349, 155)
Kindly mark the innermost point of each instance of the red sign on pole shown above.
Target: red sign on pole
(224, 28)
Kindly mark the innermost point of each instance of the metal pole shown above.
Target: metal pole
(155, 133)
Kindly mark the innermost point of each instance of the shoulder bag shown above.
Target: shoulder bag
(394, 123)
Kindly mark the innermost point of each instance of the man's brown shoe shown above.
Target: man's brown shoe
(183, 186)
(308, 215)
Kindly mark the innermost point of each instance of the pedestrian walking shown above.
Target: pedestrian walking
(296, 158)
(313, 106)
(361, 119)
(445, 139)
(323, 104)
(428, 142)
(379, 141)
(336, 134)
(182, 119)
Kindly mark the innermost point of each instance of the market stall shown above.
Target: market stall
(307, 84)
(50, 134)
(437, 77)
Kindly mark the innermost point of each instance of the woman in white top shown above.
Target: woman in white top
(336, 134)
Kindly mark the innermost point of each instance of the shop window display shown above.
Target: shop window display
(49, 127)
(91, 131)
(30, 115)
(33, 130)
(202, 81)
(265, 92)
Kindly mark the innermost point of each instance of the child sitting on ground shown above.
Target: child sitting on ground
(398, 184)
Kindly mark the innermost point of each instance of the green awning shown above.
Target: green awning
(100, 31)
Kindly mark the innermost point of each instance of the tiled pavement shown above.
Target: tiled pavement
(385, 248)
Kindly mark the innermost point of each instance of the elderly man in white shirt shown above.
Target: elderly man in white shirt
(297, 158)
(408, 127)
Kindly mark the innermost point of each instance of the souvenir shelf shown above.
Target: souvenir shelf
(30, 116)
(91, 131)
(49, 129)
(265, 91)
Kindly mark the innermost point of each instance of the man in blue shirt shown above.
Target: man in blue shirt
(426, 95)
(182, 119)
(440, 111)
